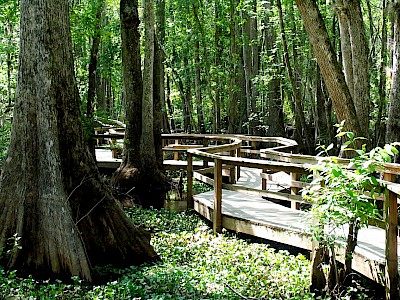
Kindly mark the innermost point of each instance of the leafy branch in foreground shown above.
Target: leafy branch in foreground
(344, 201)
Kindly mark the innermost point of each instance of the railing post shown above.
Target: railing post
(189, 192)
(253, 147)
(232, 169)
(264, 180)
(162, 147)
(176, 154)
(238, 154)
(294, 191)
(217, 214)
(114, 151)
(390, 217)
(205, 144)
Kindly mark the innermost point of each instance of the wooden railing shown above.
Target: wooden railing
(236, 151)
(283, 157)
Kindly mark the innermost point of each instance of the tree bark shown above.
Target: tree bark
(51, 194)
(276, 126)
(330, 69)
(360, 57)
(345, 45)
(379, 131)
(247, 61)
(94, 53)
(299, 109)
(158, 111)
(218, 55)
(147, 140)
(322, 129)
(169, 105)
(233, 89)
(393, 122)
(198, 69)
(132, 83)
(139, 174)
(160, 66)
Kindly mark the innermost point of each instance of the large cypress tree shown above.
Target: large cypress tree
(51, 194)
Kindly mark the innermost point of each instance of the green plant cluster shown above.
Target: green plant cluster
(195, 264)
(347, 193)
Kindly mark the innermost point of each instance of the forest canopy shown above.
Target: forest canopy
(240, 66)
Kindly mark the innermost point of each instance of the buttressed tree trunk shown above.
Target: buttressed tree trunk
(139, 173)
(51, 194)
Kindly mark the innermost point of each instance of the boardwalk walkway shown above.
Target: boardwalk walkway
(263, 218)
(249, 213)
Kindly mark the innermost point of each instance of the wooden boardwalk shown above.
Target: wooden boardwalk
(259, 217)
(106, 161)
(256, 216)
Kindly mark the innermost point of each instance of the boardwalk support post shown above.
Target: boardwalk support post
(176, 154)
(238, 154)
(232, 169)
(217, 214)
(205, 144)
(391, 219)
(294, 191)
(189, 193)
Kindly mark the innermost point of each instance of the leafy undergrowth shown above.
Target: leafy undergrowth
(195, 264)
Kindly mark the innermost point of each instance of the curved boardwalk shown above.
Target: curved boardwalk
(248, 203)
(263, 218)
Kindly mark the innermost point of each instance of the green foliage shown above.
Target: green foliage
(344, 194)
(5, 132)
(196, 264)
(9, 31)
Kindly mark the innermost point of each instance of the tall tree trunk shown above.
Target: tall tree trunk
(8, 30)
(360, 57)
(199, 69)
(299, 110)
(255, 57)
(132, 83)
(322, 134)
(345, 45)
(66, 216)
(188, 108)
(218, 55)
(330, 69)
(94, 53)
(393, 122)
(160, 54)
(139, 174)
(101, 92)
(197, 85)
(276, 126)
(233, 89)
(158, 112)
(379, 132)
(169, 105)
(247, 61)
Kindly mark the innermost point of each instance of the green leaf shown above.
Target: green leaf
(336, 173)
(329, 147)
(360, 152)
(350, 135)
(388, 149)
(340, 134)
